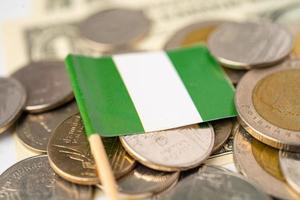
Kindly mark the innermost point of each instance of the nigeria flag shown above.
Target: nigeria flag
(149, 91)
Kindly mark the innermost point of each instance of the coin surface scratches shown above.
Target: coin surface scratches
(172, 150)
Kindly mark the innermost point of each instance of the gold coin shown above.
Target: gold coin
(254, 161)
(297, 46)
(70, 156)
(277, 99)
(192, 34)
(198, 36)
(268, 158)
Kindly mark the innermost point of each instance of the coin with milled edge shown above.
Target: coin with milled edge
(70, 156)
(212, 182)
(246, 45)
(143, 182)
(34, 130)
(268, 105)
(222, 129)
(171, 150)
(290, 166)
(259, 170)
(12, 102)
(33, 179)
(114, 27)
(192, 34)
(47, 85)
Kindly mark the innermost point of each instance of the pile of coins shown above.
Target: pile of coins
(258, 58)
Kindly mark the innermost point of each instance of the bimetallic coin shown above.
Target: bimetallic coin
(34, 130)
(33, 179)
(222, 129)
(258, 166)
(115, 27)
(246, 45)
(172, 150)
(143, 182)
(47, 85)
(290, 166)
(214, 183)
(12, 102)
(268, 105)
(70, 156)
(192, 34)
(268, 158)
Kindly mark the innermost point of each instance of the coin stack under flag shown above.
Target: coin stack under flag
(158, 116)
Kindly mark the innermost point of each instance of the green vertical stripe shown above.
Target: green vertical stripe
(205, 81)
(103, 100)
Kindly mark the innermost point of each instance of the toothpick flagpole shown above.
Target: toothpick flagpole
(103, 167)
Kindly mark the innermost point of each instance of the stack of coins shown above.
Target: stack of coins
(169, 164)
(267, 103)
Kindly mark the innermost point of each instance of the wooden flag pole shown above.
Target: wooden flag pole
(104, 170)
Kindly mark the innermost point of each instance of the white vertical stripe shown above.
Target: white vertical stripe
(158, 94)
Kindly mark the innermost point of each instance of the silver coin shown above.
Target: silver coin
(12, 102)
(33, 179)
(249, 44)
(115, 27)
(34, 130)
(171, 150)
(214, 183)
(222, 129)
(290, 166)
(258, 162)
(143, 182)
(276, 93)
(47, 85)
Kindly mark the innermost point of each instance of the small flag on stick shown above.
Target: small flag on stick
(150, 91)
(144, 92)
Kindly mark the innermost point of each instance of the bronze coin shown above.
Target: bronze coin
(70, 156)
(34, 130)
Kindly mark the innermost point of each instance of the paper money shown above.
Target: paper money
(55, 34)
